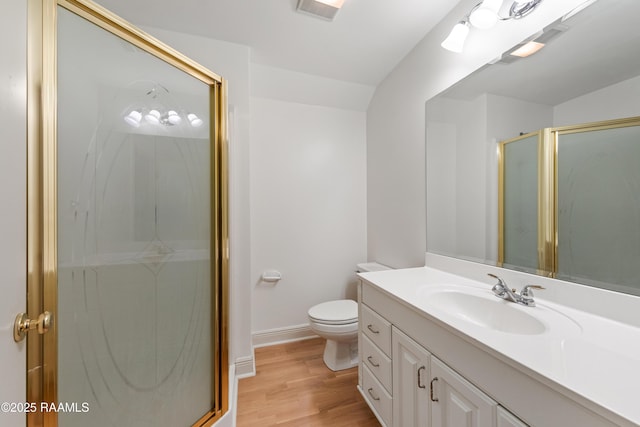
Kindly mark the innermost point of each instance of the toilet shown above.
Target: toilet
(337, 322)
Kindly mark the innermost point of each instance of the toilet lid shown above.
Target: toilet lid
(337, 312)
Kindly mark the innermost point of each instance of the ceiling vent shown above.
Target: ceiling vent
(323, 9)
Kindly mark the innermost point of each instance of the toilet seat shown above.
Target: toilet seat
(338, 312)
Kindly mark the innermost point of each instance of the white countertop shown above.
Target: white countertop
(593, 356)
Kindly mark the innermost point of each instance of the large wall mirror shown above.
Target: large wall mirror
(588, 71)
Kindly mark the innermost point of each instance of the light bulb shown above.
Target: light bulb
(194, 120)
(455, 41)
(153, 116)
(133, 118)
(486, 15)
(173, 117)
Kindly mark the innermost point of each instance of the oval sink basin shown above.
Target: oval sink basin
(486, 311)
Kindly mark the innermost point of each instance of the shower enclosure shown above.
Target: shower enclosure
(128, 226)
(569, 203)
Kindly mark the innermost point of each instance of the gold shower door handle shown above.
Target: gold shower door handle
(23, 324)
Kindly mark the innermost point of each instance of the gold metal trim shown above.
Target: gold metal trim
(546, 205)
(600, 125)
(42, 295)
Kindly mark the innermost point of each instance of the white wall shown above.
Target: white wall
(307, 207)
(308, 193)
(612, 102)
(396, 127)
(13, 99)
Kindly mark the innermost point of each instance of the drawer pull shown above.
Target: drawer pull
(374, 364)
(371, 328)
(431, 391)
(420, 369)
(373, 396)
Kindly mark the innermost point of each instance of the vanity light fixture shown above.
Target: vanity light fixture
(458, 35)
(485, 15)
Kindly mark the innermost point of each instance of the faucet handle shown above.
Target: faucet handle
(500, 288)
(527, 290)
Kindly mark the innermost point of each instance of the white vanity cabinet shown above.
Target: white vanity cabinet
(406, 386)
(420, 368)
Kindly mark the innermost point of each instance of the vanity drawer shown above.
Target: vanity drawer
(377, 328)
(377, 362)
(377, 397)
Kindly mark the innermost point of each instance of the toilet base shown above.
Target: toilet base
(340, 355)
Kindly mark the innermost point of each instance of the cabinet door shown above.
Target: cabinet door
(410, 382)
(507, 419)
(455, 402)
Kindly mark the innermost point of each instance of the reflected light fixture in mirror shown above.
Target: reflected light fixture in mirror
(155, 117)
(527, 49)
(133, 118)
(173, 117)
(483, 16)
(195, 121)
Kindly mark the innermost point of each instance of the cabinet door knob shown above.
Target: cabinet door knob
(431, 391)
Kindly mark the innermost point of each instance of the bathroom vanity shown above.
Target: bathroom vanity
(439, 349)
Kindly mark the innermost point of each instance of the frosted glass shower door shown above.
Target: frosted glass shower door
(518, 199)
(136, 339)
(598, 206)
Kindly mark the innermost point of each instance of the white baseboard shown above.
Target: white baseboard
(245, 367)
(282, 335)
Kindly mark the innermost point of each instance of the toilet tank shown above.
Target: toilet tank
(365, 267)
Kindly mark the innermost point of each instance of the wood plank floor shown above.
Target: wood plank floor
(294, 388)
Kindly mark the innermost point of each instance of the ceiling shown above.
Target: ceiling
(364, 42)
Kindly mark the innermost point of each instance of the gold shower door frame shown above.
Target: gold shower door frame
(549, 138)
(545, 239)
(42, 268)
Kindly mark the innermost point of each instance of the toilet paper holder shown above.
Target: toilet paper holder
(271, 276)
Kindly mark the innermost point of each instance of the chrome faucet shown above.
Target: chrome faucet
(525, 297)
